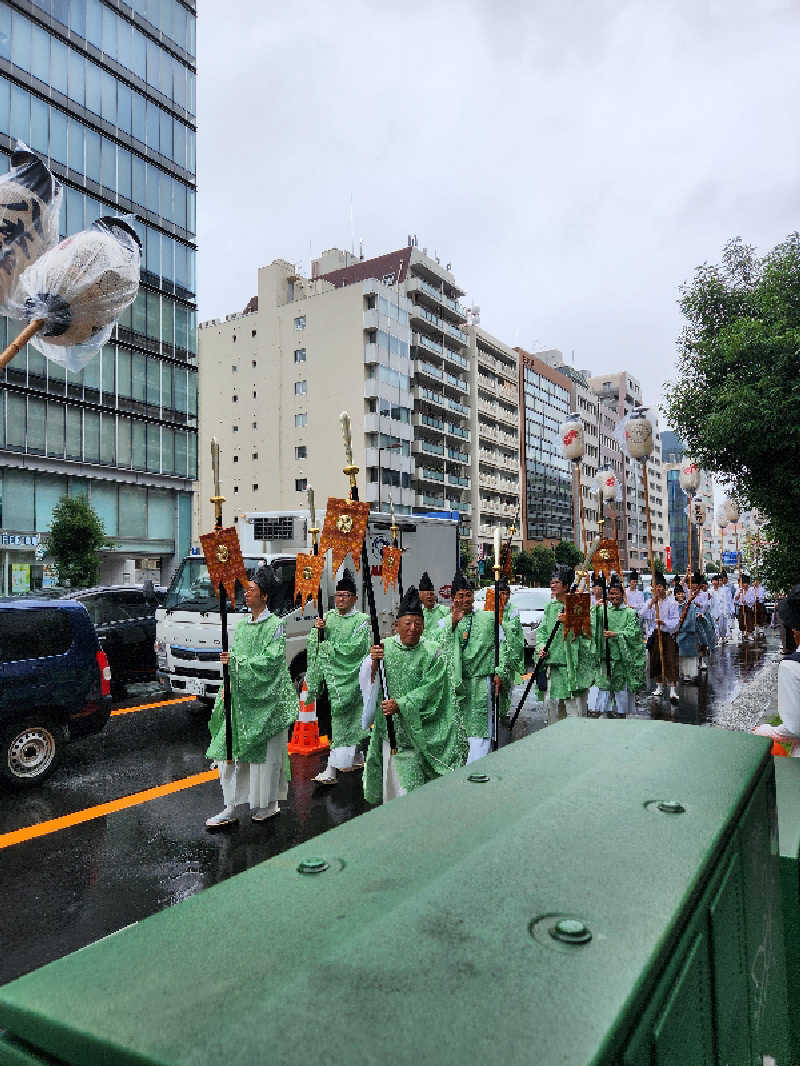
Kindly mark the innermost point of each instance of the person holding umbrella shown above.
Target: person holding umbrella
(263, 706)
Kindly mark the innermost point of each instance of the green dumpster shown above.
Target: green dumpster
(787, 784)
(602, 892)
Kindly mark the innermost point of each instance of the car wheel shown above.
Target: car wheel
(31, 751)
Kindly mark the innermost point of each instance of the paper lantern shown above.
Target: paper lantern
(722, 519)
(30, 201)
(607, 483)
(689, 476)
(572, 437)
(639, 434)
(731, 508)
(698, 512)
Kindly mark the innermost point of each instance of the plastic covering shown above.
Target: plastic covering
(608, 485)
(690, 476)
(572, 437)
(30, 202)
(636, 433)
(731, 509)
(79, 288)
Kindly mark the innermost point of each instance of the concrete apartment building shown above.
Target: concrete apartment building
(495, 428)
(105, 93)
(386, 339)
(621, 392)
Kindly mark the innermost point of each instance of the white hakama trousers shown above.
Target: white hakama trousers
(557, 710)
(623, 700)
(478, 747)
(392, 789)
(342, 758)
(259, 784)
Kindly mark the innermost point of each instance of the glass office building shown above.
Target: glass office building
(105, 92)
(548, 502)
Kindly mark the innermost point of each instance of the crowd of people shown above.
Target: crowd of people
(444, 670)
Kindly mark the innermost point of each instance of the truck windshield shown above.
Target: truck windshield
(191, 588)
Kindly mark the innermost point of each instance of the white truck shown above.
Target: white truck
(189, 628)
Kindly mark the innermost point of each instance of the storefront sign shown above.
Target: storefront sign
(19, 540)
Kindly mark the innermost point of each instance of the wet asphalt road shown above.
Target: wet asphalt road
(75, 885)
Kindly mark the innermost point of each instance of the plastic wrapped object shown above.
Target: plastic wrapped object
(30, 201)
(689, 476)
(76, 291)
(636, 433)
(572, 437)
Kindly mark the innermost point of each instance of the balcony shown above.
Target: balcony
(416, 284)
(461, 506)
(456, 456)
(432, 501)
(511, 418)
(486, 433)
(456, 334)
(375, 423)
(462, 482)
(459, 408)
(429, 474)
(423, 421)
(454, 357)
(457, 431)
(425, 447)
(487, 407)
(429, 370)
(421, 393)
(421, 341)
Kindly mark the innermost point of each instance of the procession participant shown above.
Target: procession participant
(745, 600)
(421, 703)
(788, 611)
(336, 660)
(668, 618)
(624, 636)
(728, 590)
(701, 600)
(760, 609)
(513, 661)
(431, 610)
(571, 660)
(634, 597)
(687, 635)
(467, 641)
(597, 591)
(719, 608)
(263, 706)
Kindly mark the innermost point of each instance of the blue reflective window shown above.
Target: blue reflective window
(139, 180)
(75, 146)
(138, 122)
(93, 87)
(76, 72)
(191, 221)
(165, 134)
(39, 125)
(123, 107)
(109, 29)
(181, 331)
(165, 73)
(124, 43)
(92, 154)
(74, 201)
(5, 103)
(58, 65)
(153, 63)
(20, 114)
(124, 173)
(109, 100)
(5, 32)
(153, 126)
(40, 54)
(61, 11)
(108, 166)
(21, 40)
(94, 23)
(94, 209)
(139, 54)
(179, 146)
(151, 188)
(58, 135)
(179, 203)
(77, 16)
(190, 153)
(168, 337)
(179, 84)
(165, 196)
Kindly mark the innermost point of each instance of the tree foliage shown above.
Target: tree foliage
(567, 552)
(736, 398)
(76, 536)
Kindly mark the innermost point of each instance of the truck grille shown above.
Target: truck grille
(209, 675)
(194, 654)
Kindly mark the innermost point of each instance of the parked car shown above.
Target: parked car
(124, 617)
(531, 604)
(55, 684)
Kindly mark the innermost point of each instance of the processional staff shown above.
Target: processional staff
(495, 694)
(689, 480)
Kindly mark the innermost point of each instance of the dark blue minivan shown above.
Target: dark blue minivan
(55, 685)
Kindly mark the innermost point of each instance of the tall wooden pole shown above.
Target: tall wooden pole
(217, 499)
(652, 566)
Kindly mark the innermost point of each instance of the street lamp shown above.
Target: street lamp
(385, 448)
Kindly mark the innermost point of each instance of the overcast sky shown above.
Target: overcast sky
(573, 161)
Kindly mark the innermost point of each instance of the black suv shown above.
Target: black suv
(124, 617)
(55, 683)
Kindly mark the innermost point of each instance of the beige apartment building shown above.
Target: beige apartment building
(621, 392)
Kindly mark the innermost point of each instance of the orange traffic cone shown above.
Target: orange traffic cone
(305, 735)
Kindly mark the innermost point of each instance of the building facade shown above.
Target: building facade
(547, 490)
(621, 392)
(105, 93)
(704, 546)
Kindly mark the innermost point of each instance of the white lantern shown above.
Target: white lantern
(607, 483)
(698, 512)
(572, 437)
(731, 508)
(30, 201)
(689, 476)
(722, 519)
(639, 434)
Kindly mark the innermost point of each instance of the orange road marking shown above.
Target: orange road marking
(86, 815)
(146, 706)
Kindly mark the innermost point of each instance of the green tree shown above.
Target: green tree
(542, 562)
(567, 552)
(736, 398)
(76, 536)
(658, 565)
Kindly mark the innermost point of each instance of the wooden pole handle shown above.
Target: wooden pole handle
(30, 330)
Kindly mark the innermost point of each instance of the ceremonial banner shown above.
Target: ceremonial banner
(578, 610)
(307, 576)
(344, 530)
(391, 566)
(489, 604)
(224, 560)
(606, 558)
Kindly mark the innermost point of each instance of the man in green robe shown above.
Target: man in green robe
(431, 610)
(467, 641)
(418, 700)
(627, 653)
(263, 706)
(336, 647)
(513, 647)
(570, 660)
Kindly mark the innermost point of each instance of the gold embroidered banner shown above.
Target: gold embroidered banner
(307, 576)
(489, 603)
(224, 560)
(578, 608)
(391, 566)
(606, 558)
(344, 530)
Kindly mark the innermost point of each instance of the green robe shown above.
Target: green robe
(512, 655)
(428, 741)
(337, 660)
(263, 698)
(469, 654)
(572, 658)
(432, 616)
(628, 654)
